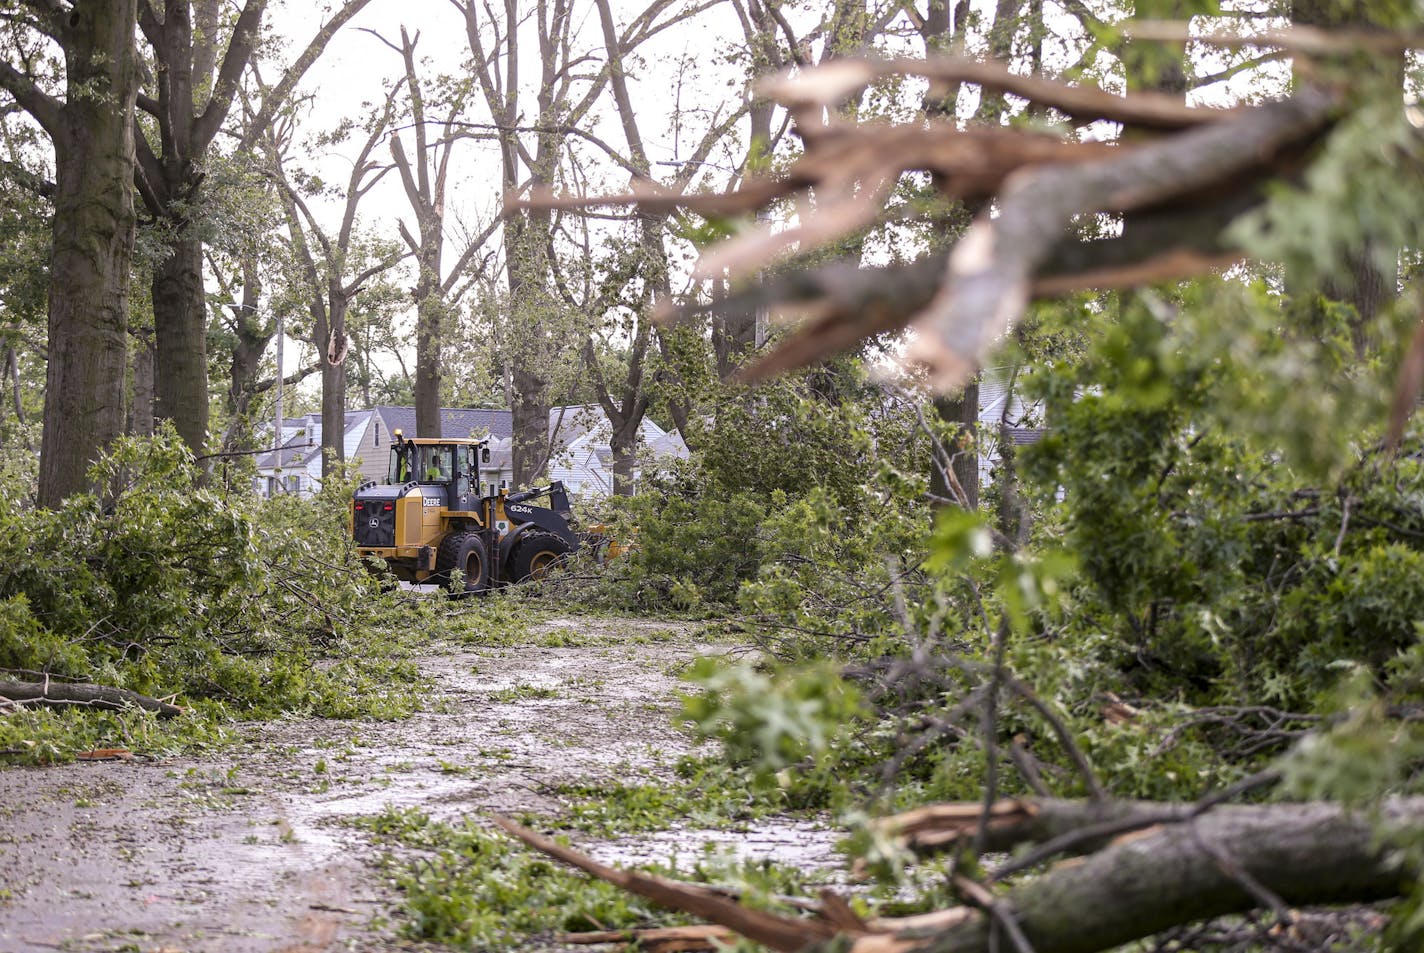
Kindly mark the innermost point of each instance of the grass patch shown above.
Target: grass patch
(523, 692)
(473, 887)
(566, 638)
(706, 794)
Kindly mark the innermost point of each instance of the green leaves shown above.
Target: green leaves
(164, 585)
(772, 721)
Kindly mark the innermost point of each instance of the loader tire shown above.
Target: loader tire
(465, 552)
(536, 555)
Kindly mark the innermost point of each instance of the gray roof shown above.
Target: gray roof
(454, 422)
(303, 440)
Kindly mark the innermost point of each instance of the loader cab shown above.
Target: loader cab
(451, 466)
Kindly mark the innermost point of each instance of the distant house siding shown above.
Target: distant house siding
(372, 454)
(1004, 413)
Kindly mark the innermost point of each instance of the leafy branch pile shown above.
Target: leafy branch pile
(168, 586)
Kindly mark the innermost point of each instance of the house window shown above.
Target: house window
(378, 432)
(294, 484)
(271, 487)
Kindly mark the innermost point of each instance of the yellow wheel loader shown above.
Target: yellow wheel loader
(431, 523)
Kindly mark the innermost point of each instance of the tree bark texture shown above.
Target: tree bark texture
(252, 335)
(93, 246)
(331, 343)
(1305, 854)
(141, 386)
(429, 315)
(962, 410)
(529, 443)
(181, 339)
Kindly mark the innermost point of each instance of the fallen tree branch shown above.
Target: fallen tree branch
(778, 933)
(1286, 855)
(829, 84)
(989, 274)
(1177, 191)
(65, 694)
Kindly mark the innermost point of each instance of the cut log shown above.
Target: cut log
(69, 694)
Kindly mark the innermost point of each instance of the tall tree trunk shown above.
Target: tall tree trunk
(191, 97)
(141, 406)
(530, 353)
(252, 335)
(624, 444)
(93, 247)
(962, 411)
(529, 444)
(429, 314)
(181, 334)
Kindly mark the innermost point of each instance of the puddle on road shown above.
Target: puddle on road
(803, 844)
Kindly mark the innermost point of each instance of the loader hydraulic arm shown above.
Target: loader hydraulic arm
(558, 496)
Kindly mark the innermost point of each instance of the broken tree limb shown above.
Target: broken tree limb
(1178, 190)
(1309, 40)
(843, 302)
(1228, 860)
(70, 694)
(778, 933)
(990, 271)
(829, 84)
(1056, 825)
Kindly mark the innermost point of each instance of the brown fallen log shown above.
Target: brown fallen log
(1229, 860)
(68, 694)
(941, 827)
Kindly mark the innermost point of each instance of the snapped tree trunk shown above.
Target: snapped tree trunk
(331, 343)
(93, 246)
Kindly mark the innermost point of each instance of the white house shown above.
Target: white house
(1004, 414)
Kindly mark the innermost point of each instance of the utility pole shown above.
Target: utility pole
(279, 486)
